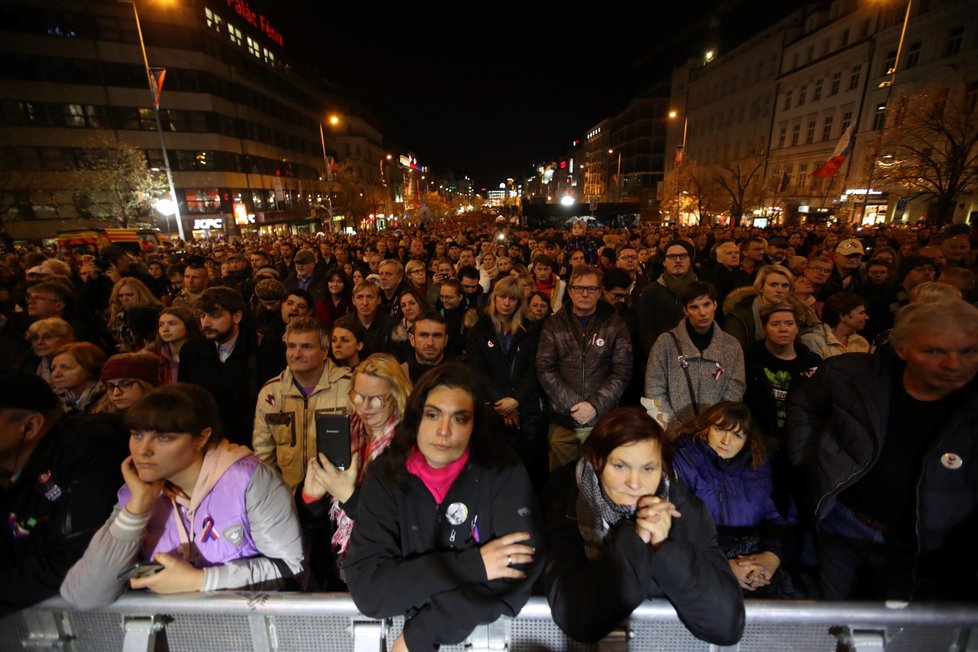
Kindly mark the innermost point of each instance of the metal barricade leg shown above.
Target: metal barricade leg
(862, 640)
(369, 635)
(490, 638)
(263, 633)
(46, 630)
(144, 634)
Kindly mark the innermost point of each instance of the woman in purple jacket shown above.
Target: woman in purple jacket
(721, 458)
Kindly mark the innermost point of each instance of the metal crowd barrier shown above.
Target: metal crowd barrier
(264, 622)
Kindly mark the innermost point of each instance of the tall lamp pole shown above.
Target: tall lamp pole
(333, 120)
(682, 156)
(888, 85)
(159, 126)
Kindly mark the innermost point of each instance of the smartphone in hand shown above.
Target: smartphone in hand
(140, 569)
(333, 439)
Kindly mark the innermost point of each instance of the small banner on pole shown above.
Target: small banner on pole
(156, 76)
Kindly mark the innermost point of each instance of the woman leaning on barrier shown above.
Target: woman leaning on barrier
(208, 512)
(447, 529)
(621, 528)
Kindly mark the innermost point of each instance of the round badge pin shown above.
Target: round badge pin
(952, 461)
(600, 342)
(457, 513)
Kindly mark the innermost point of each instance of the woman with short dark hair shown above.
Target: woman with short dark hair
(208, 512)
(621, 529)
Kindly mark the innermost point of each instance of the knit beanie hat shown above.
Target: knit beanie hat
(138, 366)
(270, 290)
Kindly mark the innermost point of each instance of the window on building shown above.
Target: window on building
(214, 21)
(782, 135)
(268, 56)
(854, 76)
(826, 46)
(844, 38)
(802, 173)
(954, 41)
(913, 54)
(147, 119)
(827, 128)
(253, 48)
(864, 31)
(836, 81)
(879, 117)
(802, 92)
(74, 115)
(810, 132)
(889, 63)
(794, 61)
(810, 54)
(203, 200)
(795, 134)
(235, 35)
(817, 91)
(787, 99)
(846, 120)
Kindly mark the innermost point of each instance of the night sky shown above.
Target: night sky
(489, 89)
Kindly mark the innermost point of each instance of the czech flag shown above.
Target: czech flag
(842, 149)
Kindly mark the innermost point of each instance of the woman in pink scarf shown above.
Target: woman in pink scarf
(379, 394)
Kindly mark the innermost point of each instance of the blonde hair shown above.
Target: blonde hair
(386, 367)
(766, 271)
(508, 286)
(54, 325)
(934, 291)
(144, 298)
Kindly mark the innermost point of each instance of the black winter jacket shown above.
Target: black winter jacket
(411, 556)
(837, 425)
(511, 374)
(59, 500)
(590, 598)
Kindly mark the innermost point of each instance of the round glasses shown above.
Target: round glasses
(372, 402)
(124, 385)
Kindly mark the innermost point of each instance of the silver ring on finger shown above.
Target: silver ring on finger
(509, 560)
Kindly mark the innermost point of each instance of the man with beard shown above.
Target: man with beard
(659, 309)
(225, 361)
(271, 337)
(428, 337)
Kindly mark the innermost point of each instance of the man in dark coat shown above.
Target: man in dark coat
(58, 481)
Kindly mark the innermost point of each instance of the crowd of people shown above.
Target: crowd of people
(599, 415)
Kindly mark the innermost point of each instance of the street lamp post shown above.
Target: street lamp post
(328, 169)
(617, 176)
(888, 85)
(682, 157)
(154, 93)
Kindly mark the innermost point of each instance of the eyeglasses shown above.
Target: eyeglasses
(35, 297)
(629, 257)
(125, 385)
(676, 257)
(372, 402)
(820, 270)
(585, 289)
(619, 296)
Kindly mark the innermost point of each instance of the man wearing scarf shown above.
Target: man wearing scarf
(659, 308)
(548, 282)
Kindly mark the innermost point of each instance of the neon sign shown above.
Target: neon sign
(257, 20)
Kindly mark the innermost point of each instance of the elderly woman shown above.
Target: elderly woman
(774, 284)
(75, 372)
(46, 337)
(128, 293)
(446, 529)
(622, 529)
(379, 395)
(501, 348)
(126, 377)
(721, 458)
(207, 512)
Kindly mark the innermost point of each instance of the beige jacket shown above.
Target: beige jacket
(285, 421)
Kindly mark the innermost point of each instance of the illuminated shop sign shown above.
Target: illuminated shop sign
(209, 224)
